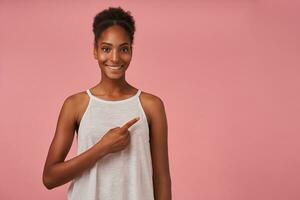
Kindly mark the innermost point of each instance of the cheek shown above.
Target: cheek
(102, 58)
(126, 57)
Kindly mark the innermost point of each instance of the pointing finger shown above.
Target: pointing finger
(130, 123)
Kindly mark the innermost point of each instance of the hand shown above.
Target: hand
(117, 139)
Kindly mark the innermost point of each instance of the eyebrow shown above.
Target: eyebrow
(112, 45)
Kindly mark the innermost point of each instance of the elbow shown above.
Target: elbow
(48, 183)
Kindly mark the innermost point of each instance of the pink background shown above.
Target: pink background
(227, 71)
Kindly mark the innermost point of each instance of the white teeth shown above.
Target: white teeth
(115, 68)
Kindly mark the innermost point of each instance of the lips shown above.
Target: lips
(115, 67)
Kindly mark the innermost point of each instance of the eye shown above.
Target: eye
(105, 48)
(125, 49)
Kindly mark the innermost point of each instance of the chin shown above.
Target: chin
(114, 76)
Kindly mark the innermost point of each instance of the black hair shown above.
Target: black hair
(113, 16)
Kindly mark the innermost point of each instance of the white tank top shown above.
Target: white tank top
(123, 175)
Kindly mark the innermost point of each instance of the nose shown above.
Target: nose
(115, 56)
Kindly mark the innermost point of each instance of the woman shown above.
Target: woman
(122, 150)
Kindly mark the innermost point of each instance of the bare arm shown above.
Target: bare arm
(57, 171)
(159, 151)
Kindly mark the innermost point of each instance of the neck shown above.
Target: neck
(111, 86)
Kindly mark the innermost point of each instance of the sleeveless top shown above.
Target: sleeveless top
(122, 175)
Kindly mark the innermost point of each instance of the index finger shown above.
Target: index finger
(130, 123)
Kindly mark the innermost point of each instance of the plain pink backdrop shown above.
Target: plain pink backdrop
(227, 72)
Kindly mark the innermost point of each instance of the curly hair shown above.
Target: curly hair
(113, 16)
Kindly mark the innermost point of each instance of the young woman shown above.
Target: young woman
(122, 148)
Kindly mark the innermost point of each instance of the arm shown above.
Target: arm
(57, 171)
(159, 151)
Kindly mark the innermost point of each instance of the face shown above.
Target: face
(113, 52)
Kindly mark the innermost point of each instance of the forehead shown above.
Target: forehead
(114, 35)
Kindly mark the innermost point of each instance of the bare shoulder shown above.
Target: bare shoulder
(78, 103)
(76, 99)
(152, 105)
(151, 98)
(79, 97)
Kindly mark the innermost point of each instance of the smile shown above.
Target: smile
(115, 67)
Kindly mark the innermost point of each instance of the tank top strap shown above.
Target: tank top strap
(138, 92)
(89, 93)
